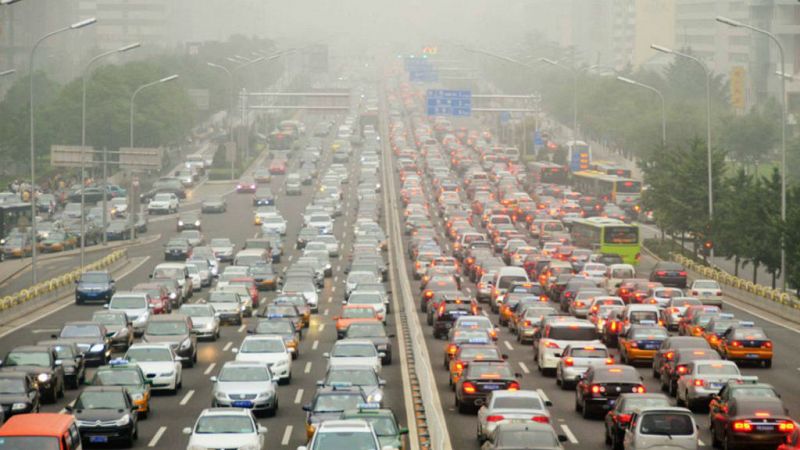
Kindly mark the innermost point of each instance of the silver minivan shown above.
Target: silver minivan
(661, 428)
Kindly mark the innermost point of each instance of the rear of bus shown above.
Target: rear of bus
(621, 239)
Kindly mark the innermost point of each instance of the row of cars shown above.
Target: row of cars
(563, 307)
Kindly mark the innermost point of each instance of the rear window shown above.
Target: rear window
(622, 273)
(638, 316)
(717, 369)
(749, 334)
(573, 333)
(518, 403)
(589, 353)
(667, 424)
(507, 280)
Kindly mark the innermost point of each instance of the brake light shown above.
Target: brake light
(513, 386)
(767, 344)
(541, 419)
(441, 310)
(451, 349)
(613, 325)
(736, 344)
(786, 426)
(468, 388)
(459, 366)
(609, 361)
(569, 362)
(493, 334)
(639, 389)
(742, 425)
(682, 274)
(551, 344)
(661, 273)
(494, 418)
(428, 294)
(669, 356)
(681, 369)
(713, 339)
(623, 418)
(699, 382)
(635, 344)
(527, 323)
(597, 389)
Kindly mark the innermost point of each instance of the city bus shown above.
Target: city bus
(625, 192)
(610, 168)
(608, 236)
(544, 172)
(14, 215)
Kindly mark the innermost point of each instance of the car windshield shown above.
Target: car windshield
(12, 386)
(622, 273)
(101, 400)
(638, 316)
(667, 424)
(358, 330)
(274, 326)
(383, 425)
(358, 313)
(262, 346)
(109, 318)
(196, 311)
(358, 377)
(148, 355)
(128, 303)
(573, 333)
(244, 374)
(29, 443)
(224, 424)
(754, 391)
(40, 359)
(64, 351)
(364, 299)
(221, 243)
(80, 331)
(337, 402)
(749, 334)
(525, 438)
(223, 297)
(354, 351)
(507, 402)
(94, 278)
(489, 371)
(118, 377)
(166, 328)
(345, 440)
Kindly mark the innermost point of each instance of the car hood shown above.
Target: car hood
(155, 366)
(355, 361)
(227, 440)
(172, 339)
(33, 370)
(226, 306)
(94, 286)
(240, 387)
(8, 399)
(202, 322)
(84, 344)
(91, 415)
(267, 358)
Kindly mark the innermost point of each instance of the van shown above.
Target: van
(660, 427)
(618, 272)
(511, 154)
(503, 279)
(40, 431)
(250, 257)
(178, 272)
(640, 315)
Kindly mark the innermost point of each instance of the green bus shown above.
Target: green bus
(610, 236)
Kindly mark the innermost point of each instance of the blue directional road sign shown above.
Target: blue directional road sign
(449, 103)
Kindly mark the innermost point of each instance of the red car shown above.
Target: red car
(634, 290)
(277, 167)
(159, 297)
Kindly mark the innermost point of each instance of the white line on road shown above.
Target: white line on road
(46, 330)
(325, 312)
(701, 443)
(330, 299)
(64, 410)
(241, 328)
(315, 344)
(287, 435)
(524, 367)
(298, 397)
(569, 434)
(508, 345)
(484, 313)
(157, 436)
(227, 346)
(210, 368)
(307, 369)
(543, 395)
(336, 279)
(187, 397)
(333, 290)
(321, 327)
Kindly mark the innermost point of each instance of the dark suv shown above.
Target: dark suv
(94, 286)
(669, 274)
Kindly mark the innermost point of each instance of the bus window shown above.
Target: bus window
(621, 235)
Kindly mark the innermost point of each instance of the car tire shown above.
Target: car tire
(609, 441)
(586, 413)
(578, 406)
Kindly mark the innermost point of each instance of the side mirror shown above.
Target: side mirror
(381, 355)
(187, 430)
(54, 336)
(518, 374)
(403, 430)
(320, 383)
(213, 379)
(548, 403)
(234, 350)
(326, 355)
(151, 276)
(68, 408)
(504, 356)
(307, 407)
(390, 335)
(562, 438)
(262, 429)
(381, 382)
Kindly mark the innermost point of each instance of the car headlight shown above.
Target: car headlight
(43, 377)
(173, 295)
(186, 344)
(282, 363)
(220, 396)
(197, 223)
(383, 346)
(266, 394)
(69, 370)
(18, 406)
(96, 348)
(375, 397)
(180, 223)
(124, 420)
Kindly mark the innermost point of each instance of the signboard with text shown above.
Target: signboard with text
(441, 102)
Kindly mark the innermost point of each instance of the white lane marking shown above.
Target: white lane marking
(242, 328)
(64, 410)
(298, 397)
(315, 344)
(46, 330)
(330, 299)
(307, 369)
(333, 290)
(287, 435)
(524, 367)
(701, 443)
(210, 368)
(187, 397)
(325, 312)
(227, 346)
(485, 313)
(321, 327)
(543, 395)
(338, 268)
(157, 436)
(508, 345)
(762, 317)
(336, 279)
(569, 434)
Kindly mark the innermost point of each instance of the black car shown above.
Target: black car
(118, 329)
(669, 274)
(90, 195)
(118, 230)
(106, 414)
(446, 315)
(177, 250)
(479, 379)
(189, 221)
(214, 205)
(167, 185)
(600, 386)
(18, 394)
(263, 197)
(40, 363)
(175, 330)
(375, 332)
(91, 338)
(71, 359)
(94, 286)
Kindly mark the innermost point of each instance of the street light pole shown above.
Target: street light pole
(574, 94)
(140, 89)
(83, 143)
(663, 106)
(771, 36)
(707, 73)
(74, 26)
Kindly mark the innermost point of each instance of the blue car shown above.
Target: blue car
(94, 286)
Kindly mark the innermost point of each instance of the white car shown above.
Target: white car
(511, 406)
(222, 248)
(226, 428)
(163, 203)
(708, 291)
(135, 307)
(616, 273)
(354, 431)
(355, 352)
(595, 272)
(662, 427)
(118, 206)
(273, 225)
(159, 364)
(321, 222)
(704, 379)
(369, 298)
(269, 350)
(556, 335)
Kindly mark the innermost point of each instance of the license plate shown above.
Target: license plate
(242, 404)
(98, 439)
(650, 346)
(491, 387)
(752, 356)
(612, 402)
(706, 294)
(765, 428)
(716, 385)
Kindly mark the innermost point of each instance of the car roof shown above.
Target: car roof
(38, 424)
(226, 412)
(515, 394)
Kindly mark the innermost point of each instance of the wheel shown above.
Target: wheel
(608, 437)
(767, 363)
(585, 412)
(578, 406)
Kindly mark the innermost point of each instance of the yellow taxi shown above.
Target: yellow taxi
(746, 343)
(462, 337)
(716, 327)
(467, 353)
(641, 342)
(119, 372)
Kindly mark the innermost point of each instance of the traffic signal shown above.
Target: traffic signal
(707, 247)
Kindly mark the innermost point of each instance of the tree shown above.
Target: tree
(750, 138)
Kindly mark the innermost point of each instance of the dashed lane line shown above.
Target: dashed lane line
(210, 368)
(315, 344)
(320, 327)
(508, 345)
(187, 397)
(227, 346)
(298, 397)
(242, 328)
(307, 369)
(542, 395)
(153, 442)
(287, 434)
(524, 367)
(571, 437)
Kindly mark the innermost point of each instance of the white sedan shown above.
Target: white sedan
(708, 291)
(355, 352)
(226, 428)
(273, 225)
(269, 350)
(160, 365)
(511, 407)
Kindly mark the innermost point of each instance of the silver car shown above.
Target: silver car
(205, 323)
(511, 406)
(674, 310)
(228, 306)
(703, 380)
(356, 375)
(662, 427)
(576, 360)
(247, 385)
(135, 306)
